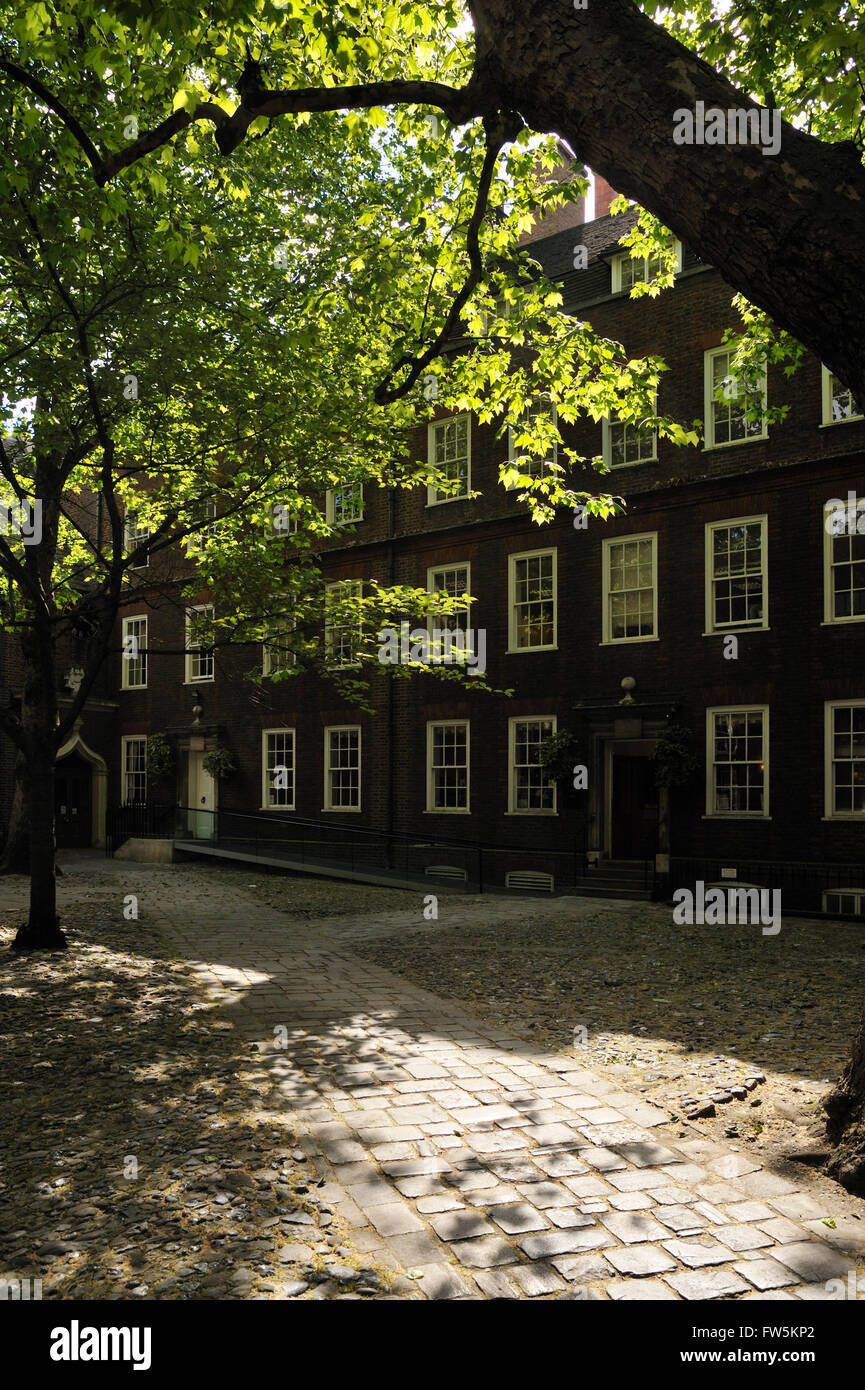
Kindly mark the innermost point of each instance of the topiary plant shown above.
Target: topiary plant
(160, 757)
(218, 762)
(558, 752)
(674, 758)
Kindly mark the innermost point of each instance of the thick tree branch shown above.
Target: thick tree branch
(785, 229)
(459, 104)
(28, 79)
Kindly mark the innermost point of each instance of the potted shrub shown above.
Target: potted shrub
(160, 757)
(674, 757)
(559, 755)
(218, 762)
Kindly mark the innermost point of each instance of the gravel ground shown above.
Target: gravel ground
(679, 1014)
(112, 1056)
(138, 1156)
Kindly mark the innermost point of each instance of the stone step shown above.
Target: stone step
(611, 890)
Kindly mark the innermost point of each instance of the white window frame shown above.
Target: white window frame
(606, 624)
(545, 470)
(132, 538)
(829, 614)
(829, 812)
(267, 788)
(279, 627)
(272, 531)
(191, 648)
(828, 395)
(709, 402)
(618, 261)
(433, 500)
(432, 809)
(343, 729)
(512, 781)
(711, 813)
(513, 626)
(126, 663)
(195, 540)
(125, 741)
(724, 523)
(441, 620)
(331, 509)
(334, 586)
(607, 442)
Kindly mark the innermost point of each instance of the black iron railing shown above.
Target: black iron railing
(802, 884)
(139, 820)
(448, 861)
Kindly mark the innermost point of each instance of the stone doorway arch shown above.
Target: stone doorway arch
(99, 787)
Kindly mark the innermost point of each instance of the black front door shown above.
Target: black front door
(72, 802)
(634, 808)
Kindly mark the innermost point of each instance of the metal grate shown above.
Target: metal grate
(530, 880)
(446, 871)
(849, 902)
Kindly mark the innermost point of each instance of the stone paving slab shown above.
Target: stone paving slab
(415, 1108)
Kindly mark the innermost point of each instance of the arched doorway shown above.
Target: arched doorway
(73, 798)
(81, 794)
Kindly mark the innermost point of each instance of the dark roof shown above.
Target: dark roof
(601, 239)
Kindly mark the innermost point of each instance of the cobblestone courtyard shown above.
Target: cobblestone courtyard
(446, 1156)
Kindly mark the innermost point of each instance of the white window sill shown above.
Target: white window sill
(340, 810)
(205, 680)
(443, 501)
(736, 631)
(735, 815)
(854, 817)
(531, 813)
(520, 651)
(132, 688)
(638, 463)
(845, 420)
(449, 811)
(277, 808)
(734, 443)
(842, 622)
(626, 641)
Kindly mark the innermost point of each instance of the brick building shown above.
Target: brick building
(611, 632)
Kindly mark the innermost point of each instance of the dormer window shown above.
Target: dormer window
(629, 271)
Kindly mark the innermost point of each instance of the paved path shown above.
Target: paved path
(463, 1156)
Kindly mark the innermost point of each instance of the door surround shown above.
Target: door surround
(98, 783)
(633, 747)
(191, 751)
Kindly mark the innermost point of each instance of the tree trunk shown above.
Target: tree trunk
(16, 852)
(785, 229)
(845, 1110)
(39, 725)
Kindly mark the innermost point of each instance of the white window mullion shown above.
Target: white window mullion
(530, 790)
(737, 761)
(532, 601)
(277, 769)
(342, 768)
(448, 757)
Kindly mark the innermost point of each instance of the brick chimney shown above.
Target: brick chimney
(563, 217)
(604, 195)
